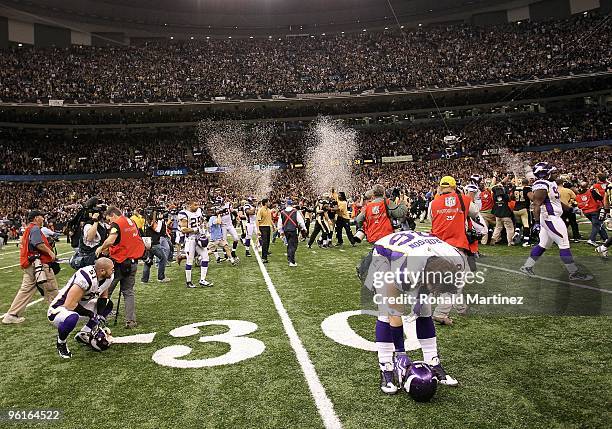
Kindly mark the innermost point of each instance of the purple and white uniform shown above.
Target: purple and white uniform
(225, 211)
(553, 229)
(86, 279)
(195, 242)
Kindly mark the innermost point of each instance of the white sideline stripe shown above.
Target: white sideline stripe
(16, 265)
(546, 278)
(36, 301)
(322, 401)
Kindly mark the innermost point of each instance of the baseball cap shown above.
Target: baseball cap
(33, 214)
(289, 202)
(448, 181)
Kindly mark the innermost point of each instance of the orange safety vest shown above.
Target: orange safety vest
(377, 223)
(25, 252)
(448, 222)
(486, 197)
(587, 203)
(130, 245)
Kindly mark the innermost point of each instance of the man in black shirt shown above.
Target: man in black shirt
(155, 229)
(503, 214)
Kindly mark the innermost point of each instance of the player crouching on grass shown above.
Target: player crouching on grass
(410, 266)
(86, 295)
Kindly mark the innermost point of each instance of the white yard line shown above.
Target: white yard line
(16, 265)
(322, 401)
(508, 270)
(36, 301)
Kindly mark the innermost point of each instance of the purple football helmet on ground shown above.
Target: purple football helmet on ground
(421, 383)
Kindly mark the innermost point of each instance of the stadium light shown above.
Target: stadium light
(191, 37)
(364, 29)
(171, 37)
(250, 37)
(402, 27)
(386, 28)
(322, 34)
(20, 45)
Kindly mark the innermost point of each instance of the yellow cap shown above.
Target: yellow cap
(448, 181)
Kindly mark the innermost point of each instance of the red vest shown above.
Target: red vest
(377, 224)
(587, 203)
(448, 222)
(130, 245)
(486, 198)
(600, 188)
(25, 253)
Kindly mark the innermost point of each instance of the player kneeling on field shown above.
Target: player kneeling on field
(405, 270)
(85, 295)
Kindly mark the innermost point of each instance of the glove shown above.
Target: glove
(602, 214)
(535, 229)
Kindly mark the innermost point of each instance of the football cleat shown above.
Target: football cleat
(82, 337)
(577, 275)
(591, 243)
(603, 251)
(205, 283)
(292, 264)
(528, 271)
(248, 254)
(62, 350)
(440, 373)
(526, 244)
(387, 384)
(190, 285)
(401, 365)
(235, 261)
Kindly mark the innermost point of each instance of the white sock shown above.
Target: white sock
(529, 263)
(385, 353)
(61, 341)
(188, 276)
(429, 346)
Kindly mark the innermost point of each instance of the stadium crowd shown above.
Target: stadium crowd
(250, 68)
(180, 147)
(62, 199)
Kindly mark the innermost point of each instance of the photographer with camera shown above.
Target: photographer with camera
(35, 257)
(124, 246)
(91, 237)
(155, 228)
(451, 213)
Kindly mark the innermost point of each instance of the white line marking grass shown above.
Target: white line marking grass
(322, 401)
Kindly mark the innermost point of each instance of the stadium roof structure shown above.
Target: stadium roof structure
(197, 18)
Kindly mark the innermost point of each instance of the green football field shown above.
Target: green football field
(270, 364)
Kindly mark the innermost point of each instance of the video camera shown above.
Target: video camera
(84, 215)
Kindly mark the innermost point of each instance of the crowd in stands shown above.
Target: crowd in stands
(250, 68)
(62, 199)
(179, 147)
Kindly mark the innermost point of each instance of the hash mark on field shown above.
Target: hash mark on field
(547, 278)
(322, 401)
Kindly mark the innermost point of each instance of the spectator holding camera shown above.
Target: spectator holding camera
(124, 246)
(35, 256)
(155, 229)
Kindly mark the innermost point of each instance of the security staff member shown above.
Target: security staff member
(449, 217)
(264, 223)
(289, 221)
(124, 246)
(35, 256)
(343, 219)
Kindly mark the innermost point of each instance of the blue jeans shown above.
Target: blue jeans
(167, 246)
(597, 227)
(158, 251)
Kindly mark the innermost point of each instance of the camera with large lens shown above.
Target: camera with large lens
(39, 270)
(472, 235)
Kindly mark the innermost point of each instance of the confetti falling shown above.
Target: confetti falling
(242, 152)
(331, 149)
